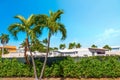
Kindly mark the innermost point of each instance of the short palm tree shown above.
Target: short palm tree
(26, 26)
(78, 45)
(45, 41)
(62, 46)
(107, 47)
(4, 40)
(93, 46)
(72, 45)
(54, 26)
(55, 48)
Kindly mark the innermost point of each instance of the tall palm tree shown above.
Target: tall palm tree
(4, 40)
(54, 26)
(24, 45)
(26, 26)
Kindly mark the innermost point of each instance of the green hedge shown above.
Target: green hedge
(95, 67)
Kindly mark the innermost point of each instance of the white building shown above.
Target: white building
(114, 51)
(82, 52)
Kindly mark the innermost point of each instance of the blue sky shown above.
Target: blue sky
(87, 21)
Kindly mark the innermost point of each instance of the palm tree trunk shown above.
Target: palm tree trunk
(26, 56)
(3, 50)
(33, 62)
(44, 64)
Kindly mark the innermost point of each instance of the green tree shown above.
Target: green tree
(107, 47)
(53, 25)
(45, 41)
(55, 48)
(26, 26)
(78, 45)
(37, 46)
(62, 46)
(4, 40)
(93, 46)
(23, 44)
(72, 45)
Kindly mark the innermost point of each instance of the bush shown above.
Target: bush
(95, 67)
(13, 68)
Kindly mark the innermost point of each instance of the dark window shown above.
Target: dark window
(100, 53)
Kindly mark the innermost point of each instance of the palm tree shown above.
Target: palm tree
(78, 45)
(93, 46)
(72, 45)
(107, 47)
(45, 41)
(4, 40)
(62, 46)
(53, 25)
(24, 45)
(37, 46)
(55, 48)
(29, 29)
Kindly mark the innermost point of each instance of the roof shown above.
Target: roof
(14, 47)
(115, 46)
(98, 49)
(73, 50)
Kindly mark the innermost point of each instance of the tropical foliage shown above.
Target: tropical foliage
(74, 45)
(78, 45)
(37, 46)
(107, 47)
(26, 26)
(62, 46)
(55, 48)
(4, 40)
(5, 52)
(54, 26)
(88, 67)
(45, 41)
(93, 46)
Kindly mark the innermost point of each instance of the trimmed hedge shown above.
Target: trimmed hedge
(88, 67)
(95, 67)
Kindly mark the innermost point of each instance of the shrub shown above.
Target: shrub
(95, 67)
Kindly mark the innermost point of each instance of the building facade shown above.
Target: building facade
(9, 48)
(82, 52)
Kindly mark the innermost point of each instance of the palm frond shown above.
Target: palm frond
(21, 18)
(30, 20)
(14, 33)
(63, 30)
(37, 30)
(51, 13)
(32, 35)
(56, 15)
(4, 38)
(15, 28)
(40, 20)
(15, 25)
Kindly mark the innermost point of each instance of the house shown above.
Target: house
(9, 48)
(82, 52)
(115, 50)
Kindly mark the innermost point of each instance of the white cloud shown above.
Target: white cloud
(110, 32)
(107, 36)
